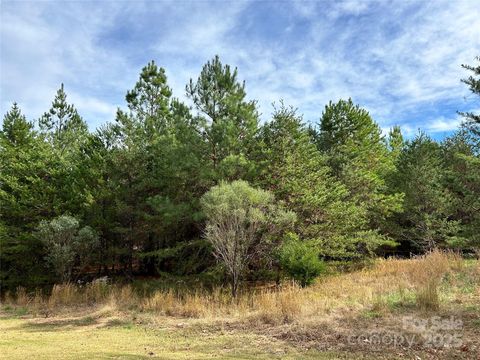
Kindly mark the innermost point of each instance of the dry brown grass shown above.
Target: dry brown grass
(365, 289)
(283, 306)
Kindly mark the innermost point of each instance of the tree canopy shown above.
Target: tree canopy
(168, 189)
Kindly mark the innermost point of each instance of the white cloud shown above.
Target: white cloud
(400, 60)
(98, 111)
(40, 50)
(443, 124)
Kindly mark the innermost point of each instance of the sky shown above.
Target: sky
(401, 60)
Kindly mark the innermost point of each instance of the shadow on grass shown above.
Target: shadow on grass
(11, 312)
(127, 356)
(54, 325)
(118, 323)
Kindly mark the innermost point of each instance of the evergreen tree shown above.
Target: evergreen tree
(158, 170)
(296, 172)
(360, 159)
(426, 222)
(62, 124)
(473, 83)
(16, 129)
(230, 121)
(395, 143)
(67, 133)
(462, 178)
(97, 155)
(149, 100)
(27, 195)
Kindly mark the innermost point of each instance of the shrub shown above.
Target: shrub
(300, 260)
(239, 217)
(67, 245)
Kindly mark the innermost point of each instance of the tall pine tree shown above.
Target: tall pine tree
(230, 121)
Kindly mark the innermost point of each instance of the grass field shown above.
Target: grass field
(372, 313)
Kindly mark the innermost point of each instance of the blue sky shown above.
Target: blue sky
(399, 59)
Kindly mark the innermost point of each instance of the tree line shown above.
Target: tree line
(209, 189)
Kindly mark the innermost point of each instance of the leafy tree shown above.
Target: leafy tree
(67, 244)
(300, 260)
(238, 217)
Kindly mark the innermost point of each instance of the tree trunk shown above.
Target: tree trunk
(234, 288)
(234, 283)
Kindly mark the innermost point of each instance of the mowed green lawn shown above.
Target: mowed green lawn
(83, 339)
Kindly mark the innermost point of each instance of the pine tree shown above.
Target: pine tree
(27, 193)
(149, 100)
(158, 169)
(297, 173)
(395, 143)
(16, 129)
(427, 220)
(462, 179)
(473, 83)
(360, 159)
(62, 124)
(231, 121)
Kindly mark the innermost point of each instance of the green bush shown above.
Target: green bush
(300, 260)
(67, 244)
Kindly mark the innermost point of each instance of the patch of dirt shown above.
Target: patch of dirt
(409, 336)
(403, 336)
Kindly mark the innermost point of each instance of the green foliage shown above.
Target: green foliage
(28, 175)
(155, 169)
(300, 261)
(16, 129)
(426, 222)
(149, 181)
(296, 172)
(364, 163)
(150, 98)
(359, 158)
(67, 245)
(395, 143)
(461, 156)
(62, 124)
(185, 258)
(473, 82)
(238, 219)
(230, 121)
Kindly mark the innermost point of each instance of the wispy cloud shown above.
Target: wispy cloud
(399, 59)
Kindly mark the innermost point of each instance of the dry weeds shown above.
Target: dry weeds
(368, 289)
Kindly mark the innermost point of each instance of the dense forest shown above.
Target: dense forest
(211, 191)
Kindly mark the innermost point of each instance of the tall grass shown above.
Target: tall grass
(420, 276)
